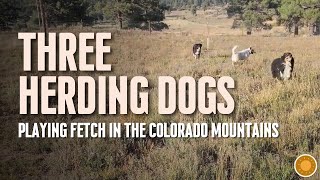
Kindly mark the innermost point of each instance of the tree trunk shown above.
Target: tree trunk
(43, 16)
(249, 30)
(38, 11)
(312, 29)
(120, 19)
(317, 29)
(296, 27)
(296, 30)
(41, 13)
(290, 27)
(149, 22)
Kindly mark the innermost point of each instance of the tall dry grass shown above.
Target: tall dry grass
(295, 104)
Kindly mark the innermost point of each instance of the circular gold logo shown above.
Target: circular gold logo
(305, 165)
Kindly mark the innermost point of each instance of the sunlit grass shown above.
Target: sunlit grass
(259, 98)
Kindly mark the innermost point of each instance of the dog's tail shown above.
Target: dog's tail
(234, 49)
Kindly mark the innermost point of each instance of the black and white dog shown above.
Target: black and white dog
(241, 55)
(196, 50)
(282, 67)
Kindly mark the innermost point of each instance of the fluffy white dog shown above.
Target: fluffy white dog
(241, 55)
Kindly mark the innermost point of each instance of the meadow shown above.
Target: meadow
(294, 104)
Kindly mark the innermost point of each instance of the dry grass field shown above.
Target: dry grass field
(295, 104)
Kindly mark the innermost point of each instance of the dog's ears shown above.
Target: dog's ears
(287, 54)
(284, 55)
(252, 50)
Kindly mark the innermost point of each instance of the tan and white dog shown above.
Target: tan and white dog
(241, 55)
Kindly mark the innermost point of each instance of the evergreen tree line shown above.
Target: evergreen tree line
(253, 14)
(293, 14)
(186, 4)
(149, 14)
(143, 14)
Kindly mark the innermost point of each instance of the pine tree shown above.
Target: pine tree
(311, 15)
(193, 10)
(253, 13)
(291, 12)
(118, 9)
(147, 12)
(15, 13)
